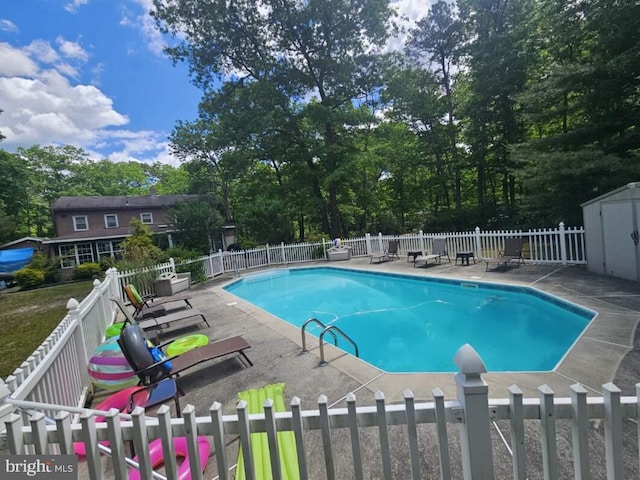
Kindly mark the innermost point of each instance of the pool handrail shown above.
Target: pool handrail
(330, 329)
(322, 325)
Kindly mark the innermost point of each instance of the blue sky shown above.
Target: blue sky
(91, 73)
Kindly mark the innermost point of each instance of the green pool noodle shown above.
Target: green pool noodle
(255, 399)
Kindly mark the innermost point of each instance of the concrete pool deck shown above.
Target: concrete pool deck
(606, 352)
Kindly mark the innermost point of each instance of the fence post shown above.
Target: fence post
(563, 244)
(380, 242)
(173, 264)
(6, 409)
(478, 243)
(73, 308)
(324, 249)
(475, 431)
(268, 255)
(115, 289)
(367, 240)
(284, 258)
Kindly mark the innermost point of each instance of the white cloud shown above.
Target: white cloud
(72, 7)
(43, 107)
(96, 73)
(409, 12)
(68, 70)
(7, 25)
(15, 62)
(141, 146)
(146, 24)
(72, 50)
(42, 51)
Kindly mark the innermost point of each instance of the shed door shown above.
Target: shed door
(619, 248)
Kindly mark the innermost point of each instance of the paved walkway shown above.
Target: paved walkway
(604, 353)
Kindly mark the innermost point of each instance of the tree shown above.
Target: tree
(439, 35)
(497, 61)
(198, 225)
(7, 225)
(2, 137)
(295, 50)
(139, 248)
(16, 193)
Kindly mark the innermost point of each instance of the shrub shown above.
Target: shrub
(181, 253)
(88, 270)
(49, 266)
(107, 262)
(196, 269)
(29, 278)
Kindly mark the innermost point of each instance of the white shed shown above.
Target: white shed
(611, 223)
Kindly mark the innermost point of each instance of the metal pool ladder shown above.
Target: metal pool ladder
(331, 330)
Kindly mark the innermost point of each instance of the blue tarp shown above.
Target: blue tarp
(15, 259)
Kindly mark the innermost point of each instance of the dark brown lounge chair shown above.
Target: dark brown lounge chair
(150, 369)
(512, 253)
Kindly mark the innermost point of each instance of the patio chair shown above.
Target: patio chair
(391, 251)
(151, 365)
(158, 323)
(149, 306)
(438, 250)
(512, 252)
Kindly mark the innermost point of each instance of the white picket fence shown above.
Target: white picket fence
(349, 457)
(561, 245)
(69, 346)
(56, 371)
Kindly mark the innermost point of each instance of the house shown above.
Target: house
(91, 228)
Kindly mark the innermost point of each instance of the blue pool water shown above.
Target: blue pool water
(414, 324)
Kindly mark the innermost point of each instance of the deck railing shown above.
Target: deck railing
(398, 454)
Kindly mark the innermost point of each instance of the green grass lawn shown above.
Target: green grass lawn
(27, 318)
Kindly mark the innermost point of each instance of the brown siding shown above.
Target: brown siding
(65, 225)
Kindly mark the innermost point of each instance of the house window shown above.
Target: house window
(74, 255)
(80, 223)
(146, 218)
(109, 249)
(111, 221)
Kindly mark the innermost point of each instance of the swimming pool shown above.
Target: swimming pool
(404, 323)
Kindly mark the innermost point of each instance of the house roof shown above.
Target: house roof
(120, 202)
(22, 240)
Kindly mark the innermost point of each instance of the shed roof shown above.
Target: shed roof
(120, 202)
(628, 186)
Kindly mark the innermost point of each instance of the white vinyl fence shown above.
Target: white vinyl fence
(562, 246)
(82, 330)
(370, 428)
(56, 372)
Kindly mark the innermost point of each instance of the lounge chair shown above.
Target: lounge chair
(512, 252)
(438, 250)
(158, 323)
(151, 365)
(391, 251)
(149, 306)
